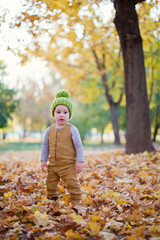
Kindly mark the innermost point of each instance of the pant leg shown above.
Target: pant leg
(52, 182)
(73, 186)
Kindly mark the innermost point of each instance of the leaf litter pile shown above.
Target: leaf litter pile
(120, 200)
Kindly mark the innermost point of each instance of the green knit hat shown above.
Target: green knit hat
(62, 98)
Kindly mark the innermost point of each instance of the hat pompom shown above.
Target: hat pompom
(63, 93)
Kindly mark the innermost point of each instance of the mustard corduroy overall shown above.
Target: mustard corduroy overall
(62, 158)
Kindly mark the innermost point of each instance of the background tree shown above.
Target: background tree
(81, 47)
(90, 115)
(8, 105)
(34, 108)
(151, 43)
(138, 118)
(68, 38)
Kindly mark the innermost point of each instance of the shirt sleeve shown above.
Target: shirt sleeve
(77, 143)
(45, 147)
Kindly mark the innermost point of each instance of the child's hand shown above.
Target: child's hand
(78, 167)
(44, 166)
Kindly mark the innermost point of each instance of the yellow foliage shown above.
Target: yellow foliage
(120, 201)
(61, 189)
(66, 199)
(87, 200)
(95, 218)
(109, 194)
(149, 211)
(58, 236)
(75, 235)
(88, 189)
(8, 195)
(77, 218)
(94, 227)
(143, 174)
(155, 229)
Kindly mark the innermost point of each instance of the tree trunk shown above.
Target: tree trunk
(102, 132)
(115, 123)
(138, 117)
(157, 124)
(155, 132)
(24, 133)
(4, 135)
(113, 111)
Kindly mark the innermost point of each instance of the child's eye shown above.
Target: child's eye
(65, 112)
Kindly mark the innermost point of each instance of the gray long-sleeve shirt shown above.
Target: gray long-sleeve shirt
(76, 141)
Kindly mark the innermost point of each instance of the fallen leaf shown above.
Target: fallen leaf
(41, 218)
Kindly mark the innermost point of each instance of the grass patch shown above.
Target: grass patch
(19, 146)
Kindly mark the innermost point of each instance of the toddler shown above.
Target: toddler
(63, 148)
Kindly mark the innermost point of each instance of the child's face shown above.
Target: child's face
(61, 115)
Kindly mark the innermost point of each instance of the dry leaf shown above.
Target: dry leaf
(41, 218)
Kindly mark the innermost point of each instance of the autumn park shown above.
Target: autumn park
(106, 53)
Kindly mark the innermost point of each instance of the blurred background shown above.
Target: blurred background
(49, 45)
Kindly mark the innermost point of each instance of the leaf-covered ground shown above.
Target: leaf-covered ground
(121, 199)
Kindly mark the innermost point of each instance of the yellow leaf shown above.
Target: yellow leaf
(146, 168)
(66, 198)
(114, 171)
(86, 199)
(147, 196)
(109, 194)
(132, 238)
(77, 218)
(129, 226)
(94, 227)
(156, 195)
(61, 189)
(8, 195)
(70, 233)
(143, 174)
(95, 218)
(88, 189)
(43, 199)
(57, 237)
(120, 201)
(41, 218)
(154, 229)
(149, 211)
(39, 204)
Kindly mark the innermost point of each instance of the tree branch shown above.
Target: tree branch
(120, 99)
(139, 1)
(96, 58)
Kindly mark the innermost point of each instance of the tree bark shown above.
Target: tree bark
(138, 137)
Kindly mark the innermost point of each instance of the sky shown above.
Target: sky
(35, 68)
